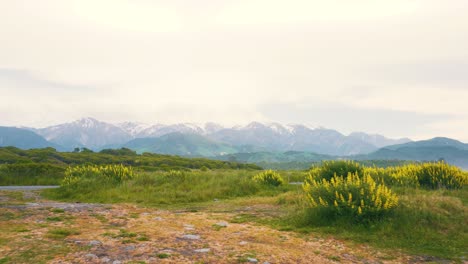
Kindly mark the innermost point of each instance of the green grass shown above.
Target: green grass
(54, 219)
(61, 233)
(163, 255)
(160, 188)
(426, 222)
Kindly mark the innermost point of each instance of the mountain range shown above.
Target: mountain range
(96, 135)
(255, 142)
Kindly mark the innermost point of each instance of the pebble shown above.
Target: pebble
(243, 243)
(202, 250)
(191, 237)
(252, 260)
(105, 260)
(90, 256)
(129, 248)
(117, 262)
(93, 243)
(222, 224)
(158, 218)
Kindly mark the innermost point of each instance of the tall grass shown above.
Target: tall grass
(30, 174)
(169, 188)
(426, 222)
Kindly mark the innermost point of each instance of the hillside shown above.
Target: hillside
(146, 161)
(22, 138)
(452, 151)
(181, 144)
(275, 157)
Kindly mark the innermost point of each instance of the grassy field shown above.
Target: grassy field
(427, 221)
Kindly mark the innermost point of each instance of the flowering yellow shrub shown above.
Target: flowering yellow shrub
(109, 173)
(395, 176)
(351, 195)
(441, 175)
(269, 177)
(328, 169)
(431, 175)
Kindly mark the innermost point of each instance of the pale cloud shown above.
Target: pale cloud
(234, 61)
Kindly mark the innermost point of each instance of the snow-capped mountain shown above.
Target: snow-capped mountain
(378, 140)
(133, 128)
(94, 134)
(85, 132)
(161, 130)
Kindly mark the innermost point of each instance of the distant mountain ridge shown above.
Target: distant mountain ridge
(255, 142)
(94, 134)
(23, 139)
(86, 132)
(439, 148)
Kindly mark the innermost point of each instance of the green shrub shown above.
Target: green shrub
(328, 169)
(269, 177)
(395, 176)
(432, 175)
(436, 175)
(94, 173)
(355, 196)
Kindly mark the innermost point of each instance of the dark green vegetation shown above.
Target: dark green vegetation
(411, 214)
(299, 160)
(47, 166)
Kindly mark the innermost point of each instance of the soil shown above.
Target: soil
(123, 233)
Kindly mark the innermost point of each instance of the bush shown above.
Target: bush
(328, 169)
(436, 175)
(395, 176)
(354, 196)
(94, 173)
(269, 177)
(432, 175)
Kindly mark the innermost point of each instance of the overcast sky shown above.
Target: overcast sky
(398, 68)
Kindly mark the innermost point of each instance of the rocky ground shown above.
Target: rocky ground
(34, 230)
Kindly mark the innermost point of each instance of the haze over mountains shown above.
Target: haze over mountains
(212, 139)
(255, 142)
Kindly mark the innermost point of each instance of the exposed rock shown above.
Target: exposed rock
(93, 243)
(191, 237)
(129, 248)
(222, 224)
(202, 250)
(90, 256)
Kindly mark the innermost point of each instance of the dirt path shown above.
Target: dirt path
(33, 230)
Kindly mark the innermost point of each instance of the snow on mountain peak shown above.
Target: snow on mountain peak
(86, 122)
